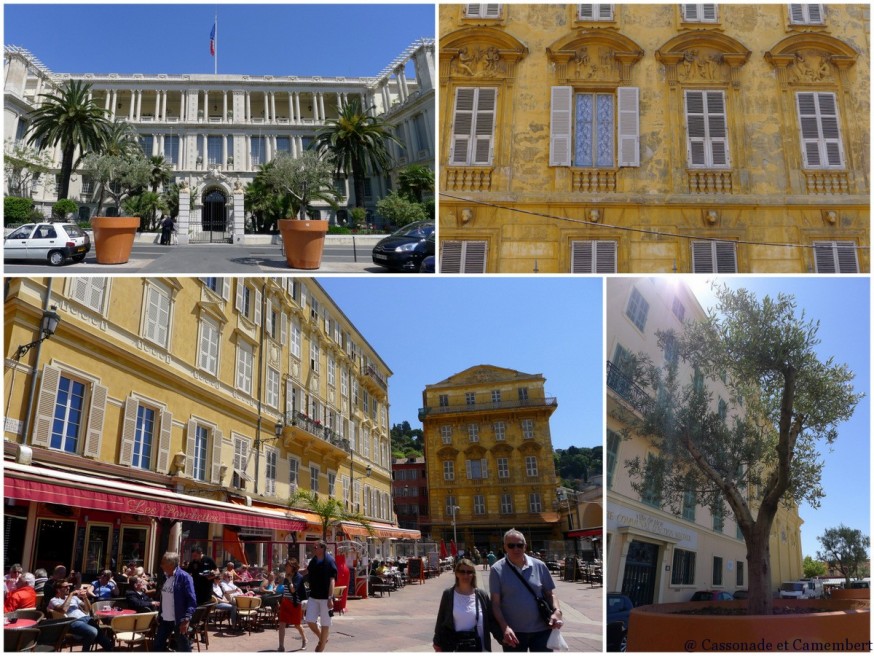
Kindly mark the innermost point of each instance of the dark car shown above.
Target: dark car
(618, 608)
(404, 249)
(741, 594)
(711, 595)
(54, 243)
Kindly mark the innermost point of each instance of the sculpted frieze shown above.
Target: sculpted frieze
(810, 67)
(478, 62)
(701, 65)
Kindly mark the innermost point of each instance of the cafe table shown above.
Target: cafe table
(18, 624)
(105, 615)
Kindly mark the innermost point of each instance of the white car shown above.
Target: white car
(807, 589)
(54, 243)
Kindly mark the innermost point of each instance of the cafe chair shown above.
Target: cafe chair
(19, 639)
(268, 613)
(53, 634)
(247, 611)
(198, 626)
(134, 630)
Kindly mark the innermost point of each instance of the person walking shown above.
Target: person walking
(178, 603)
(490, 560)
(167, 227)
(200, 566)
(291, 604)
(322, 574)
(516, 582)
(465, 621)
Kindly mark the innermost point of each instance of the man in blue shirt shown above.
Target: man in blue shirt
(104, 588)
(514, 604)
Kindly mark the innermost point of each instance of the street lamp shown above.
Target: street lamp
(47, 327)
(454, 509)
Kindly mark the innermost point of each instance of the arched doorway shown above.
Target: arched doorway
(214, 225)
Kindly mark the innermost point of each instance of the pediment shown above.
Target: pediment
(703, 56)
(596, 55)
(480, 53)
(811, 58)
(485, 373)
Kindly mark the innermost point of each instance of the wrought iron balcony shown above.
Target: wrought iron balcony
(627, 389)
(299, 422)
(376, 376)
(545, 402)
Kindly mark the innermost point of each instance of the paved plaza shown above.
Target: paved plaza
(404, 621)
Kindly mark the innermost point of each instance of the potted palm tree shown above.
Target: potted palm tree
(298, 182)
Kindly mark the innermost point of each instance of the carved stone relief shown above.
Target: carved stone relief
(700, 65)
(810, 66)
(479, 62)
(599, 65)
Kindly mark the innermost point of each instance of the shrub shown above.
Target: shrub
(400, 211)
(17, 210)
(339, 230)
(62, 208)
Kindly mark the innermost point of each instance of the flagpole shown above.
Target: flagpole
(215, 59)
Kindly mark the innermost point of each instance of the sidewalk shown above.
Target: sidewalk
(404, 621)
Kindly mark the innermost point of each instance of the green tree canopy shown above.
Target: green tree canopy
(406, 441)
(118, 175)
(399, 210)
(784, 402)
(298, 181)
(813, 568)
(845, 549)
(575, 465)
(416, 180)
(329, 510)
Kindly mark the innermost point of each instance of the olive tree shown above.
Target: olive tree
(845, 549)
(759, 450)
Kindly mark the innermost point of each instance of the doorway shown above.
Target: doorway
(638, 584)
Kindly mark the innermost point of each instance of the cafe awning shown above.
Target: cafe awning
(380, 530)
(30, 483)
(585, 532)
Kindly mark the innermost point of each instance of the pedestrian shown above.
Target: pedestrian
(177, 604)
(491, 558)
(322, 574)
(167, 226)
(199, 567)
(465, 621)
(74, 604)
(516, 583)
(291, 604)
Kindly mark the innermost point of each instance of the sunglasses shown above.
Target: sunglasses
(464, 571)
(516, 545)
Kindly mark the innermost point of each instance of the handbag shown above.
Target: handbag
(543, 606)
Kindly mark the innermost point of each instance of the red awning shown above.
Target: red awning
(585, 533)
(125, 498)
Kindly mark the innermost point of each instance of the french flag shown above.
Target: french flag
(212, 41)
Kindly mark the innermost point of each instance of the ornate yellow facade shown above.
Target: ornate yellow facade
(489, 457)
(654, 138)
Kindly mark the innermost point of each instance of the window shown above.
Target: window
(241, 459)
(448, 470)
(593, 257)
(463, 257)
(714, 257)
(701, 13)
(344, 382)
(293, 473)
(599, 12)
(496, 396)
(332, 482)
(503, 468)
(528, 429)
(739, 569)
(270, 472)
(717, 570)
(314, 357)
(314, 478)
(637, 309)
(143, 438)
(718, 518)
(534, 503)
(683, 569)
(506, 504)
(706, 131)
(420, 133)
(272, 387)
(157, 319)
(722, 409)
(248, 302)
(477, 469)
(209, 346)
(821, 144)
(678, 309)
(500, 429)
(146, 143)
(171, 149)
(68, 425)
(612, 455)
(245, 360)
(295, 339)
(652, 491)
(283, 145)
(482, 11)
(258, 151)
(91, 291)
(473, 126)
(199, 460)
(689, 503)
(835, 257)
(531, 465)
(479, 504)
(806, 14)
(470, 398)
(332, 375)
(672, 349)
(451, 506)
(446, 434)
(444, 400)
(214, 149)
(583, 128)
(473, 432)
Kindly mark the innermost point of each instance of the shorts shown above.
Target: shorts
(317, 609)
(289, 613)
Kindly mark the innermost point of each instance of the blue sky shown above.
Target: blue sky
(427, 329)
(842, 306)
(325, 39)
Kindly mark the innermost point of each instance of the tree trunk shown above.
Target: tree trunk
(66, 171)
(358, 183)
(761, 599)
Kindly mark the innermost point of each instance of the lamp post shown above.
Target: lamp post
(454, 510)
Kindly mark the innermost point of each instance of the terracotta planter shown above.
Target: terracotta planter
(114, 237)
(852, 593)
(303, 242)
(845, 627)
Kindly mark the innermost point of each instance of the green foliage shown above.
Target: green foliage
(406, 441)
(329, 510)
(358, 216)
(576, 464)
(64, 207)
(145, 205)
(161, 172)
(16, 210)
(23, 166)
(415, 181)
(784, 401)
(298, 181)
(119, 176)
(845, 549)
(813, 568)
(339, 230)
(399, 210)
(170, 198)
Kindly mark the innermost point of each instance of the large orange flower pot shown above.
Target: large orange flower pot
(851, 593)
(844, 626)
(303, 242)
(114, 237)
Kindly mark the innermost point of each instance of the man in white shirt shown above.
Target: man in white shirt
(178, 604)
(75, 605)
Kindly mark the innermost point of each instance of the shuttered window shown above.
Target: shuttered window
(714, 257)
(593, 257)
(820, 130)
(835, 257)
(806, 14)
(707, 134)
(145, 436)
(700, 13)
(599, 12)
(473, 126)
(209, 346)
(463, 257)
(157, 320)
(482, 11)
(90, 291)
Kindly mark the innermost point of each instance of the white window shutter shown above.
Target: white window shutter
(835, 257)
(605, 256)
(702, 257)
(708, 12)
(717, 130)
(492, 11)
(629, 126)
(238, 303)
(128, 431)
(450, 257)
(473, 11)
(462, 126)
(582, 257)
(560, 137)
(587, 12)
(283, 329)
(226, 288)
(695, 130)
(815, 14)
(484, 132)
(163, 464)
(726, 262)
(474, 258)
(690, 13)
(45, 408)
(216, 457)
(605, 12)
(831, 131)
(96, 414)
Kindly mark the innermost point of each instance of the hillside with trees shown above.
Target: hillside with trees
(576, 465)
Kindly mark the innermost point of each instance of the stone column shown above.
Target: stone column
(157, 105)
(239, 217)
(183, 221)
(183, 116)
(107, 100)
(248, 107)
(273, 105)
(225, 106)
(322, 106)
(133, 102)
(224, 152)
(206, 106)
(297, 105)
(164, 104)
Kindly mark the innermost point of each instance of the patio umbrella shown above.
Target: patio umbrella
(453, 548)
(443, 553)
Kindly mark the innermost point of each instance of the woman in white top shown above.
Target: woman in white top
(464, 619)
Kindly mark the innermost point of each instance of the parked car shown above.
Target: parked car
(404, 249)
(618, 608)
(864, 584)
(711, 595)
(809, 589)
(54, 243)
(427, 265)
(741, 594)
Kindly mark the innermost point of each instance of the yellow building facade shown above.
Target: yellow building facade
(654, 555)
(209, 401)
(489, 458)
(654, 138)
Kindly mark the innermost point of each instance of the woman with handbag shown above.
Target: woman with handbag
(291, 604)
(464, 620)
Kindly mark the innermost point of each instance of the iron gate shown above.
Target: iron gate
(638, 584)
(213, 227)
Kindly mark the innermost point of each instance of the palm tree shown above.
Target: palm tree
(146, 206)
(69, 118)
(330, 511)
(415, 181)
(357, 140)
(161, 172)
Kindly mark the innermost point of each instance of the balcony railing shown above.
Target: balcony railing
(626, 388)
(315, 427)
(375, 375)
(549, 401)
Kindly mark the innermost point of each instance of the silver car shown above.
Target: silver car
(54, 243)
